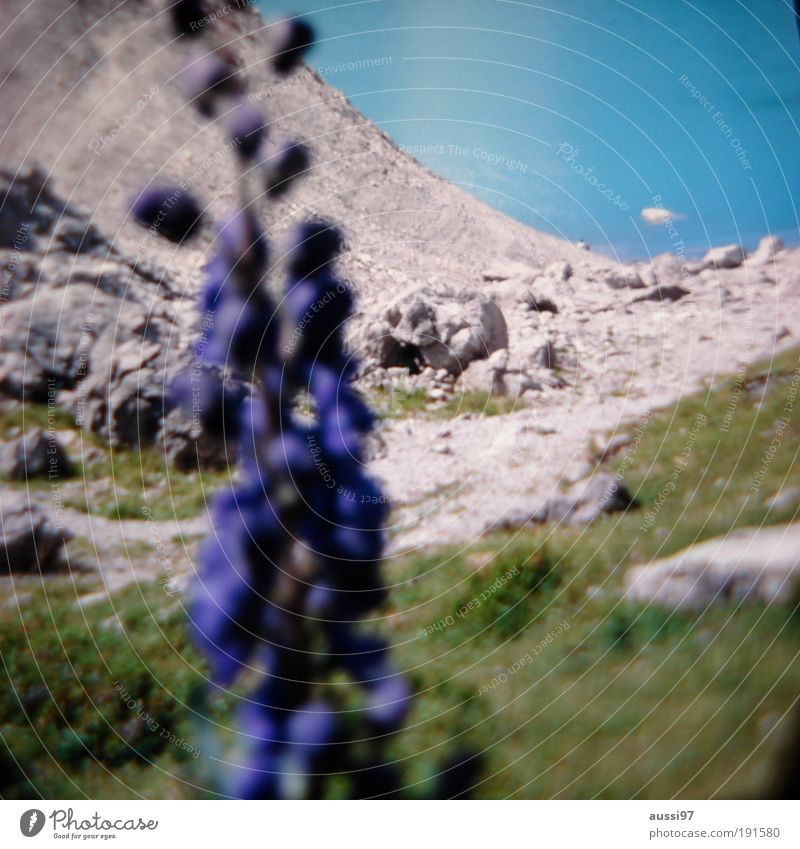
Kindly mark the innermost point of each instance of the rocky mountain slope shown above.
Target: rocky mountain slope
(458, 303)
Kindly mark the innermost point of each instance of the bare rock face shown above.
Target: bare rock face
(751, 565)
(29, 540)
(35, 218)
(37, 454)
(75, 334)
(47, 338)
(122, 396)
(440, 327)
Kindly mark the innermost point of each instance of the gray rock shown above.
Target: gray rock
(785, 499)
(440, 327)
(548, 356)
(584, 502)
(508, 270)
(606, 449)
(766, 251)
(188, 448)
(730, 256)
(121, 397)
(486, 375)
(37, 454)
(663, 293)
(29, 540)
(107, 275)
(669, 270)
(545, 294)
(47, 338)
(560, 271)
(753, 564)
(27, 204)
(498, 375)
(601, 493)
(622, 278)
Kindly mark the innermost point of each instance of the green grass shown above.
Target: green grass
(134, 480)
(404, 402)
(518, 645)
(478, 403)
(142, 480)
(66, 729)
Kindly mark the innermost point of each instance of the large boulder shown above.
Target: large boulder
(122, 396)
(188, 448)
(37, 454)
(623, 278)
(441, 327)
(29, 540)
(47, 338)
(754, 564)
(668, 270)
(585, 501)
(765, 253)
(730, 256)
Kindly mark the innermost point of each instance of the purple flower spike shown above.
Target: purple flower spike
(293, 566)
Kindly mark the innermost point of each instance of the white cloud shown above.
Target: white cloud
(659, 215)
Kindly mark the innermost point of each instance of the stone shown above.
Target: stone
(439, 327)
(508, 270)
(620, 278)
(544, 295)
(37, 454)
(663, 293)
(29, 540)
(187, 448)
(669, 270)
(598, 494)
(583, 502)
(730, 256)
(541, 304)
(28, 204)
(548, 356)
(47, 338)
(122, 396)
(560, 271)
(482, 376)
(611, 447)
(785, 499)
(748, 565)
(765, 253)
(517, 383)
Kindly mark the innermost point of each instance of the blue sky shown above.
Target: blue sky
(573, 115)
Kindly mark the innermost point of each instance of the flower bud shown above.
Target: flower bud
(170, 211)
